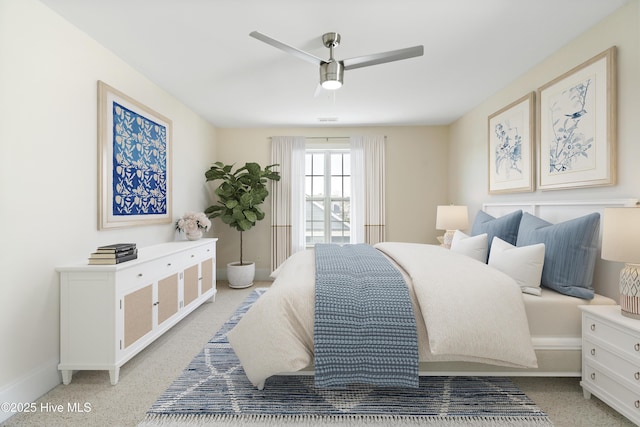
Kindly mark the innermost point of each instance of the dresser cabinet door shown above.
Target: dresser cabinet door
(138, 314)
(190, 284)
(167, 297)
(207, 275)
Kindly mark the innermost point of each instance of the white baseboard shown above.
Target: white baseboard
(30, 387)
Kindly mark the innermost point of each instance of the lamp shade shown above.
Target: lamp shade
(452, 217)
(621, 235)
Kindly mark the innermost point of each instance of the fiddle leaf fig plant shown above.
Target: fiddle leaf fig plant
(240, 194)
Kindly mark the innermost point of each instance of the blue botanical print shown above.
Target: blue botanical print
(508, 151)
(569, 143)
(139, 164)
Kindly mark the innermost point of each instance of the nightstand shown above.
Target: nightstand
(611, 358)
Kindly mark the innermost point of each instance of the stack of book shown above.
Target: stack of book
(114, 254)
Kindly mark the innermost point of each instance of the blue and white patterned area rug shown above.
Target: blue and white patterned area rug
(214, 391)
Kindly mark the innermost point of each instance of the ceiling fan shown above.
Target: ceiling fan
(332, 70)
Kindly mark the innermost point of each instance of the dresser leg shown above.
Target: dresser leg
(66, 376)
(114, 374)
(586, 394)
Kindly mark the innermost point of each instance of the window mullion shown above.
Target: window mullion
(327, 197)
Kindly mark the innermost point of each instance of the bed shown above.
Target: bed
(535, 335)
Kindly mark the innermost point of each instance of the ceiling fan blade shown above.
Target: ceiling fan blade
(289, 49)
(381, 58)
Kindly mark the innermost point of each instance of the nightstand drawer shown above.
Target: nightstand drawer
(623, 396)
(602, 331)
(594, 353)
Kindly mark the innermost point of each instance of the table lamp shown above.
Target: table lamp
(621, 242)
(451, 218)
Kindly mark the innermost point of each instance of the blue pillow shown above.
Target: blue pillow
(571, 248)
(505, 227)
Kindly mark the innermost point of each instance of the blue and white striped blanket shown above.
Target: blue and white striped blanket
(364, 326)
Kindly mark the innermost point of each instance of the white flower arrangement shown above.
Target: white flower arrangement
(192, 222)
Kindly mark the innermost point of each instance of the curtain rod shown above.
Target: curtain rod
(329, 137)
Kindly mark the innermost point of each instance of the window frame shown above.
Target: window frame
(327, 199)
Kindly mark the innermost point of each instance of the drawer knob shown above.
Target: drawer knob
(593, 326)
(139, 274)
(637, 403)
(636, 347)
(637, 376)
(168, 264)
(193, 256)
(593, 351)
(593, 376)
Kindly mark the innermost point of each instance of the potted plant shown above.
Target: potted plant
(240, 195)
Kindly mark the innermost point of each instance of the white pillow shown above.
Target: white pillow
(471, 246)
(522, 263)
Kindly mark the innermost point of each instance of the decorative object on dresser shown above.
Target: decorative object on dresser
(134, 157)
(114, 254)
(621, 242)
(240, 195)
(109, 313)
(451, 218)
(611, 359)
(193, 225)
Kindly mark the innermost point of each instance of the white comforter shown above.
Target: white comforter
(465, 311)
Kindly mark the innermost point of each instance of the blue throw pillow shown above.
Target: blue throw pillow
(505, 227)
(571, 248)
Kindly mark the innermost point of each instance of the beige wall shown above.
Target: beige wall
(48, 177)
(468, 156)
(416, 159)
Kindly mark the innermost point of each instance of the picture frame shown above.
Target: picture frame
(134, 162)
(577, 126)
(511, 147)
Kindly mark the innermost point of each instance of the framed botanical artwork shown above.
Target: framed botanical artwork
(134, 156)
(511, 141)
(577, 126)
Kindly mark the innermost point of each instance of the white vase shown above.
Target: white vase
(240, 276)
(196, 235)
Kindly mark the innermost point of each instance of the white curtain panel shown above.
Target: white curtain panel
(287, 198)
(368, 190)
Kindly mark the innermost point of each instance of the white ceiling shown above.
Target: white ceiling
(200, 51)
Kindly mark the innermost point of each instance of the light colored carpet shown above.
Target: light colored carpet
(147, 376)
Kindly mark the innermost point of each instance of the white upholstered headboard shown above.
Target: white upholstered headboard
(606, 274)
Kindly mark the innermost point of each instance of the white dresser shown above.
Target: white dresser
(109, 313)
(611, 359)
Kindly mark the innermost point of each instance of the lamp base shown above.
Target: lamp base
(630, 291)
(448, 238)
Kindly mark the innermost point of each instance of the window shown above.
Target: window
(327, 196)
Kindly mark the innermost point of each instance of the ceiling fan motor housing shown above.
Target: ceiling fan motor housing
(331, 73)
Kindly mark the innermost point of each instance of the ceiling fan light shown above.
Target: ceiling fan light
(331, 84)
(331, 74)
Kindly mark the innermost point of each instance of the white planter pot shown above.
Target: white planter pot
(240, 276)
